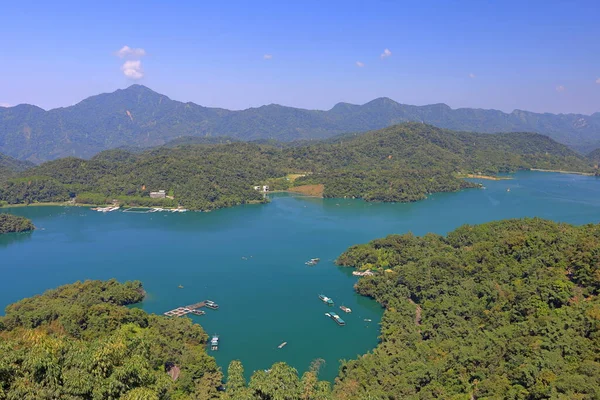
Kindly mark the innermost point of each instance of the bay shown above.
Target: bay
(250, 259)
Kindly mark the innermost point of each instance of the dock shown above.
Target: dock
(192, 309)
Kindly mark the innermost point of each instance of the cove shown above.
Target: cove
(250, 259)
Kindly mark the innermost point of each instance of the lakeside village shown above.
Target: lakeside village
(196, 308)
(160, 194)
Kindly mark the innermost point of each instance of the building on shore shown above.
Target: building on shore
(161, 194)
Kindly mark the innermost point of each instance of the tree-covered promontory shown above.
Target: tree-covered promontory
(400, 163)
(13, 224)
(504, 310)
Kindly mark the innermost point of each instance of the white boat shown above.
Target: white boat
(327, 314)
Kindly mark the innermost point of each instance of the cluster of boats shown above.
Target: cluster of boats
(214, 343)
(332, 315)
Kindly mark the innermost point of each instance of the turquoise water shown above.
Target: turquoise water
(250, 259)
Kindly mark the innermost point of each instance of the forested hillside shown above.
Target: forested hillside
(10, 166)
(504, 310)
(400, 163)
(140, 117)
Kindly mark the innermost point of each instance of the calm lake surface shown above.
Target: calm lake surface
(250, 259)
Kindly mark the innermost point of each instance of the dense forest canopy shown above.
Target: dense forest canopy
(504, 310)
(10, 166)
(12, 224)
(400, 163)
(140, 117)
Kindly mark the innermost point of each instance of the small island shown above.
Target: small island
(12, 223)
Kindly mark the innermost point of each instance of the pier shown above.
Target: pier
(192, 309)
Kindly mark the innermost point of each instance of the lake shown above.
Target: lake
(250, 259)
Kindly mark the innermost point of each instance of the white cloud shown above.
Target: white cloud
(598, 81)
(386, 53)
(133, 69)
(560, 88)
(359, 64)
(268, 56)
(472, 75)
(5, 105)
(129, 52)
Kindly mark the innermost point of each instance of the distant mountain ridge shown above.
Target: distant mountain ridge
(138, 116)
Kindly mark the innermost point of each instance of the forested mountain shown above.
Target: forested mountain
(505, 310)
(140, 117)
(400, 163)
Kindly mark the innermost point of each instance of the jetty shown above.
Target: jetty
(192, 309)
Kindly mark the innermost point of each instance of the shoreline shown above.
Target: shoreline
(487, 177)
(562, 172)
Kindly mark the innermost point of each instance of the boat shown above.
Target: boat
(327, 314)
(198, 312)
(180, 286)
(281, 345)
(337, 319)
(346, 309)
(214, 343)
(211, 304)
(326, 300)
(368, 320)
(313, 261)
(508, 190)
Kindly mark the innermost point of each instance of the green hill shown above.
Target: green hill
(505, 310)
(400, 163)
(140, 117)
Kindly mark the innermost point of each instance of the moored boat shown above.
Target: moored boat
(211, 304)
(346, 309)
(326, 300)
(214, 343)
(337, 319)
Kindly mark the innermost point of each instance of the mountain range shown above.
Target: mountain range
(139, 117)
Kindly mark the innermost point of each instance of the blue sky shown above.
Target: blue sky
(536, 55)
